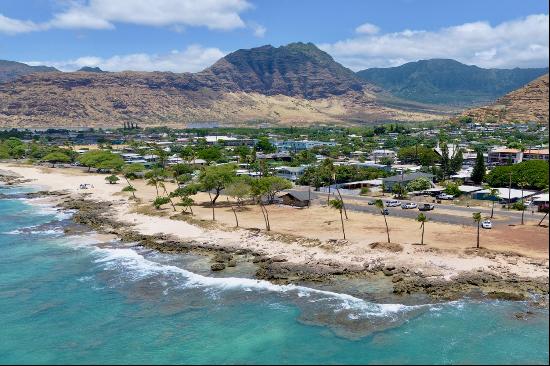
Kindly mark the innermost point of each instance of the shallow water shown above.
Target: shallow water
(72, 299)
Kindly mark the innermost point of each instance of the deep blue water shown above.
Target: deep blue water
(73, 299)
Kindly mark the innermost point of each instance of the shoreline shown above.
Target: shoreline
(285, 259)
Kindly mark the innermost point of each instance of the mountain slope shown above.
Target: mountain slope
(11, 70)
(297, 69)
(443, 81)
(527, 104)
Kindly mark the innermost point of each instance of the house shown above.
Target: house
(404, 179)
(290, 172)
(376, 155)
(504, 195)
(541, 201)
(296, 199)
(504, 156)
(362, 184)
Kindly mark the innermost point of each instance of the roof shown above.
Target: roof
(541, 197)
(504, 150)
(504, 193)
(469, 189)
(407, 177)
(292, 169)
(298, 195)
(537, 152)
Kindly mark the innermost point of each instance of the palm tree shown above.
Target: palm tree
(522, 185)
(380, 204)
(423, 220)
(477, 218)
(339, 205)
(494, 194)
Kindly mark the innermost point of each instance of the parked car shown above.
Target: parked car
(371, 203)
(426, 207)
(393, 203)
(445, 196)
(487, 224)
(409, 205)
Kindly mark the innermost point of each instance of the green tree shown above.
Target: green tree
(112, 179)
(265, 146)
(239, 189)
(478, 173)
(419, 184)
(380, 205)
(56, 157)
(130, 171)
(422, 219)
(339, 205)
(216, 178)
(159, 201)
(477, 218)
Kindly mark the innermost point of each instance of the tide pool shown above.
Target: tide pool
(72, 299)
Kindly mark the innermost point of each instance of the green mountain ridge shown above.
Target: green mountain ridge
(449, 82)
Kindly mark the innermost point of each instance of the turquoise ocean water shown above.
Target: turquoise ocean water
(73, 299)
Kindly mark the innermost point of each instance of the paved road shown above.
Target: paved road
(463, 214)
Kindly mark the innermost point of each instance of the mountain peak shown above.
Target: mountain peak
(10, 70)
(296, 69)
(90, 69)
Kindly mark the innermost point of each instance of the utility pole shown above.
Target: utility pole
(509, 190)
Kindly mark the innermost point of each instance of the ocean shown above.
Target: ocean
(76, 299)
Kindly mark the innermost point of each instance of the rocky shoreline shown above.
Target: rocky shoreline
(277, 269)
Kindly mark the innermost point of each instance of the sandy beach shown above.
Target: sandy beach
(311, 237)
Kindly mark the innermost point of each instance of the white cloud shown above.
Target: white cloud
(103, 14)
(258, 29)
(367, 28)
(14, 26)
(518, 43)
(193, 58)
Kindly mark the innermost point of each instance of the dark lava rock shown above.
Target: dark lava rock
(217, 267)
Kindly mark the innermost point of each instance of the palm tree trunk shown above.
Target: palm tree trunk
(478, 234)
(263, 214)
(540, 222)
(267, 217)
(343, 204)
(522, 205)
(342, 220)
(234, 213)
(127, 181)
(422, 240)
(387, 229)
(492, 209)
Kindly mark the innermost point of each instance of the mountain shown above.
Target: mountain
(527, 104)
(10, 70)
(295, 84)
(449, 82)
(298, 69)
(90, 69)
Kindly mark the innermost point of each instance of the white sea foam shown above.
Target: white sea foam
(23, 231)
(128, 259)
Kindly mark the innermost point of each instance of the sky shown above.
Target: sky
(190, 35)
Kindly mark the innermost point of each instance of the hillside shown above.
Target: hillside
(294, 84)
(529, 103)
(449, 82)
(11, 70)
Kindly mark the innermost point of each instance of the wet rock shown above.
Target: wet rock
(222, 257)
(500, 295)
(278, 258)
(217, 267)
(232, 263)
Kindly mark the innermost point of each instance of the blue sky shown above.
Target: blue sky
(188, 35)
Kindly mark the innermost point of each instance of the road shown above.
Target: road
(463, 214)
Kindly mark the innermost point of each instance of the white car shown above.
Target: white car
(445, 196)
(487, 224)
(393, 203)
(409, 205)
